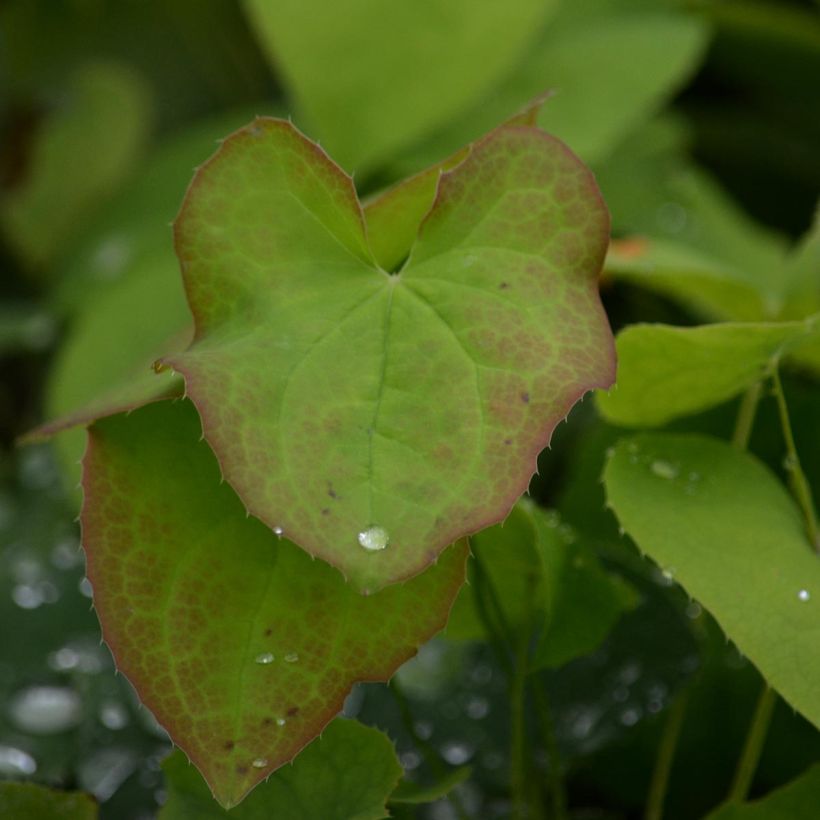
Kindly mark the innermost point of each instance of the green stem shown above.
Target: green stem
(797, 478)
(558, 794)
(428, 751)
(746, 416)
(753, 747)
(666, 755)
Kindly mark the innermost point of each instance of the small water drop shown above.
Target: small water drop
(693, 610)
(477, 707)
(663, 469)
(45, 710)
(374, 538)
(790, 463)
(291, 657)
(457, 753)
(113, 715)
(409, 760)
(259, 763)
(265, 658)
(280, 721)
(15, 762)
(630, 716)
(804, 595)
(27, 596)
(85, 588)
(278, 532)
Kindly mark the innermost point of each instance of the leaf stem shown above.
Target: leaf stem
(558, 794)
(797, 478)
(746, 416)
(753, 746)
(666, 754)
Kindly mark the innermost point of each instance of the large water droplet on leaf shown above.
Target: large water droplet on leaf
(804, 595)
(265, 658)
(374, 538)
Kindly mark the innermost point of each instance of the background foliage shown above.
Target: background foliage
(698, 121)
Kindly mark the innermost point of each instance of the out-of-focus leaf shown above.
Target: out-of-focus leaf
(373, 77)
(353, 408)
(346, 774)
(414, 793)
(25, 326)
(797, 800)
(85, 147)
(25, 801)
(241, 645)
(722, 525)
(665, 372)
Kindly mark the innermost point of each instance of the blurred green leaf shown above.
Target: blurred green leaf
(346, 774)
(665, 372)
(25, 801)
(371, 78)
(25, 326)
(798, 800)
(87, 144)
(720, 523)
(415, 793)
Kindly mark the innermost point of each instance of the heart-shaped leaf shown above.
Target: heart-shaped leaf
(373, 77)
(717, 520)
(315, 786)
(358, 410)
(666, 372)
(241, 645)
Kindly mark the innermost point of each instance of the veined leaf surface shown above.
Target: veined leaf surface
(341, 400)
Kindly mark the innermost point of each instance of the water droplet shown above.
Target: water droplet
(620, 694)
(456, 752)
(66, 554)
(663, 469)
(280, 721)
(790, 463)
(85, 588)
(374, 538)
(265, 658)
(113, 715)
(45, 710)
(667, 576)
(629, 717)
(804, 595)
(111, 257)
(693, 610)
(477, 707)
(259, 763)
(278, 532)
(291, 657)
(409, 761)
(27, 596)
(16, 762)
(424, 729)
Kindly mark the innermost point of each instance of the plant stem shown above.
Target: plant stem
(746, 416)
(666, 754)
(750, 756)
(557, 789)
(797, 478)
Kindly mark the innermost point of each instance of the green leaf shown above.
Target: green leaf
(241, 645)
(718, 521)
(371, 78)
(547, 582)
(339, 398)
(77, 158)
(415, 793)
(26, 801)
(346, 774)
(665, 372)
(797, 800)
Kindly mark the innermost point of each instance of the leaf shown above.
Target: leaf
(600, 98)
(373, 77)
(797, 800)
(547, 582)
(339, 398)
(241, 646)
(666, 372)
(27, 801)
(77, 157)
(415, 793)
(346, 774)
(718, 521)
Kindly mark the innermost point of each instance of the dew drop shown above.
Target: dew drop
(265, 658)
(16, 762)
(663, 469)
(280, 721)
(259, 763)
(45, 710)
(291, 657)
(374, 538)
(278, 532)
(804, 595)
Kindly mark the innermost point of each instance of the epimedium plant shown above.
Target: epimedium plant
(366, 418)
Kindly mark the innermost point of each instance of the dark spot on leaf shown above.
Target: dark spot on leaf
(525, 397)
(508, 441)
(294, 710)
(228, 745)
(268, 721)
(241, 769)
(268, 632)
(330, 491)
(503, 286)
(325, 511)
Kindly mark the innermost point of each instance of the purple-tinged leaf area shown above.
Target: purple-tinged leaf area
(338, 398)
(242, 646)
(348, 772)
